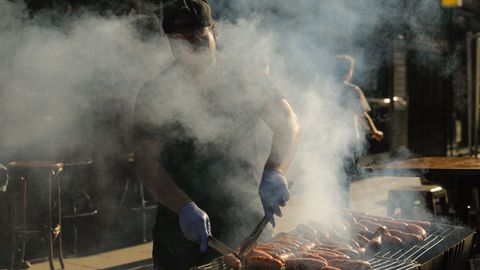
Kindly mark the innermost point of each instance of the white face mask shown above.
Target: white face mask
(194, 56)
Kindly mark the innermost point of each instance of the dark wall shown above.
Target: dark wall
(430, 107)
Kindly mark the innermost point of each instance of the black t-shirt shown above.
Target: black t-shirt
(208, 134)
(355, 104)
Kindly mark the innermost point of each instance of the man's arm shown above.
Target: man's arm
(365, 119)
(377, 134)
(282, 120)
(194, 222)
(156, 178)
(273, 189)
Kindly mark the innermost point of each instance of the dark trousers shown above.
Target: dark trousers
(350, 167)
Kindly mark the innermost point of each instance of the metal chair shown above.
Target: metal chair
(133, 197)
(77, 201)
(49, 230)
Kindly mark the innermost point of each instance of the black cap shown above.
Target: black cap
(186, 14)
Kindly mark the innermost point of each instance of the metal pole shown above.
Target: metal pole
(476, 97)
(469, 92)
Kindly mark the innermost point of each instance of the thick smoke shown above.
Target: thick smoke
(92, 66)
(66, 75)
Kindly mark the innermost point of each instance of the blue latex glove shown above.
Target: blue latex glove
(195, 224)
(273, 191)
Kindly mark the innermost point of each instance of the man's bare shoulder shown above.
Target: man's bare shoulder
(159, 81)
(353, 87)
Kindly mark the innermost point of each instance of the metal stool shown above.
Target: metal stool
(133, 197)
(50, 230)
(77, 196)
(3, 178)
(407, 198)
(5, 221)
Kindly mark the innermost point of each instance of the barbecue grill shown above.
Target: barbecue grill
(446, 247)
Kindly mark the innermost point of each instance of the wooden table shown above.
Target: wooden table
(459, 175)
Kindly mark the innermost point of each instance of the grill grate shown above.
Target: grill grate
(377, 264)
(440, 239)
(216, 264)
(385, 264)
(413, 253)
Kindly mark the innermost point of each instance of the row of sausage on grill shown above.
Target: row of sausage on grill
(375, 233)
(343, 244)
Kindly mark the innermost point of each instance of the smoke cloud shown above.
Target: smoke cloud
(74, 83)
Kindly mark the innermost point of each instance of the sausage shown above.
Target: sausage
(350, 264)
(303, 228)
(318, 226)
(305, 264)
(259, 252)
(374, 244)
(310, 255)
(270, 244)
(356, 213)
(401, 226)
(352, 253)
(413, 228)
(264, 263)
(359, 227)
(284, 256)
(362, 251)
(288, 235)
(392, 241)
(341, 226)
(362, 215)
(328, 250)
(424, 224)
(384, 218)
(307, 246)
(275, 253)
(328, 267)
(232, 261)
(362, 240)
(336, 235)
(275, 247)
(367, 234)
(335, 244)
(269, 250)
(372, 226)
(348, 217)
(287, 244)
(407, 238)
(354, 244)
(311, 237)
(330, 255)
(381, 231)
(288, 240)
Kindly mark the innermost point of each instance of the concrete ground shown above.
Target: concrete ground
(363, 198)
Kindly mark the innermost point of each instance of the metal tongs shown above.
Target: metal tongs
(250, 242)
(219, 246)
(245, 247)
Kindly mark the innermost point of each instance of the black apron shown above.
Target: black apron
(212, 159)
(223, 186)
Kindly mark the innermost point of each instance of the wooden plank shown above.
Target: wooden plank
(432, 163)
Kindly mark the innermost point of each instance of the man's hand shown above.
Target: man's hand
(273, 191)
(195, 224)
(377, 135)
